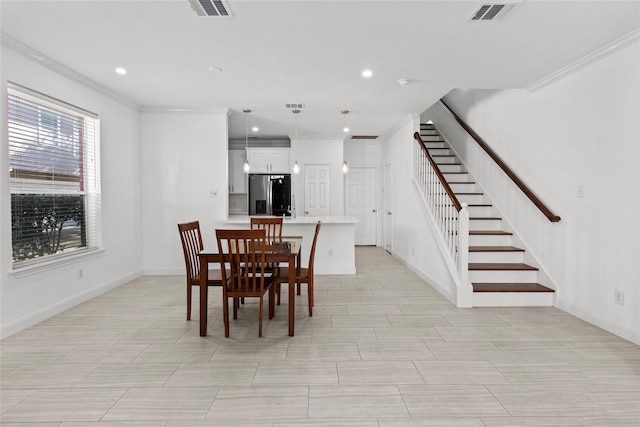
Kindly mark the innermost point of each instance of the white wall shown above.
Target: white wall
(580, 131)
(28, 300)
(184, 178)
(316, 151)
(414, 241)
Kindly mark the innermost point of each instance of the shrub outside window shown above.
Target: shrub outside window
(54, 178)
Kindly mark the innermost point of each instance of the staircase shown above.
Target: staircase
(497, 270)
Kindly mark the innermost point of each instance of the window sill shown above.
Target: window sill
(39, 267)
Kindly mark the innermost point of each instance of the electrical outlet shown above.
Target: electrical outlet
(619, 297)
(580, 192)
(330, 252)
(80, 274)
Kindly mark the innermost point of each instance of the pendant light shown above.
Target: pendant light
(246, 167)
(344, 114)
(345, 167)
(296, 165)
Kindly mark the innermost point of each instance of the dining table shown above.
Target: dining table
(285, 249)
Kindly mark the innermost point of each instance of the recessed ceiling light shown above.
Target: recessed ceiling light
(215, 69)
(367, 73)
(121, 71)
(255, 129)
(345, 129)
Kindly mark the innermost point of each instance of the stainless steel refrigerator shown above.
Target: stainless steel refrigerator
(270, 194)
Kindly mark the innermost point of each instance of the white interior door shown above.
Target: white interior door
(388, 210)
(317, 190)
(361, 201)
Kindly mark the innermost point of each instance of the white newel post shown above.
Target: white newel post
(465, 291)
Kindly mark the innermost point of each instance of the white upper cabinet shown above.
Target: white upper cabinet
(237, 177)
(269, 160)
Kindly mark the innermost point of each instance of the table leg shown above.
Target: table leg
(292, 294)
(204, 289)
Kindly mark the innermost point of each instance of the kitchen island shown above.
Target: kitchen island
(335, 250)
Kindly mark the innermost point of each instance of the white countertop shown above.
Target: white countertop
(244, 219)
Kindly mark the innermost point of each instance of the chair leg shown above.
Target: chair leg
(260, 319)
(272, 300)
(278, 292)
(310, 296)
(225, 314)
(188, 301)
(235, 308)
(298, 288)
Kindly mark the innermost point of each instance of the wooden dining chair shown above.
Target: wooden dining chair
(273, 229)
(303, 275)
(191, 239)
(272, 225)
(243, 271)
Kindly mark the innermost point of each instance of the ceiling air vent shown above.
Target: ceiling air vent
(210, 7)
(492, 12)
(364, 137)
(294, 106)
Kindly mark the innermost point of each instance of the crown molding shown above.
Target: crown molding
(39, 58)
(585, 60)
(211, 110)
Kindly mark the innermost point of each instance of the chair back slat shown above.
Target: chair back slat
(312, 254)
(245, 254)
(271, 225)
(191, 239)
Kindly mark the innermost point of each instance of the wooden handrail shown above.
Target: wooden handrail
(436, 169)
(521, 185)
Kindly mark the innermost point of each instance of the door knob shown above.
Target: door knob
(306, 212)
(374, 211)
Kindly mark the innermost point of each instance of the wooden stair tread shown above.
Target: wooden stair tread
(510, 287)
(489, 233)
(469, 194)
(494, 249)
(492, 218)
(461, 182)
(505, 266)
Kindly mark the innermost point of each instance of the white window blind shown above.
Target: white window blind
(54, 167)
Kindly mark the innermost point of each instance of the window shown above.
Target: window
(54, 169)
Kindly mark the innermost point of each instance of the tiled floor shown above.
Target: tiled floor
(383, 349)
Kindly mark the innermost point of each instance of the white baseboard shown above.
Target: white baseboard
(165, 271)
(606, 324)
(57, 308)
(446, 292)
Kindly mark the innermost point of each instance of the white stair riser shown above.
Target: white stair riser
(490, 240)
(480, 211)
(503, 276)
(450, 168)
(493, 257)
(430, 138)
(470, 199)
(465, 176)
(435, 145)
(513, 299)
(462, 188)
(446, 160)
(439, 151)
(484, 224)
